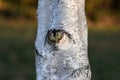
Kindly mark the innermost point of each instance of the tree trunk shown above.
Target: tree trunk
(61, 43)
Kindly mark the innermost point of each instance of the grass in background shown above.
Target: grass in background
(104, 53)
(17, 52)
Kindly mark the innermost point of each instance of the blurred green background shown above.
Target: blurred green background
(18, 25)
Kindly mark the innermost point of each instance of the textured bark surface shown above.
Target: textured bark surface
(61, 42)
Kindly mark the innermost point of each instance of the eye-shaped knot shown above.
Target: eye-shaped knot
(54, 36)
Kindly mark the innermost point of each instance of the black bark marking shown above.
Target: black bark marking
(81, 71)
(53, 36)
(37, 53)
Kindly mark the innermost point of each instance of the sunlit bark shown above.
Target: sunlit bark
(61, 42)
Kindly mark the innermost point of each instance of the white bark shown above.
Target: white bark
(69, 61)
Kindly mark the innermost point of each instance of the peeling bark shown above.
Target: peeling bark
(61, 42)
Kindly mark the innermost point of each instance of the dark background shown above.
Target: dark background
(18, 25)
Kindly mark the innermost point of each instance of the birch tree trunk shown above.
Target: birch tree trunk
(61, 42)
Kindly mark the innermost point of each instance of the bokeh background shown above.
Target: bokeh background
(18, 25)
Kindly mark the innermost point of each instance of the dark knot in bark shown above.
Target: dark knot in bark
(55, 35)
